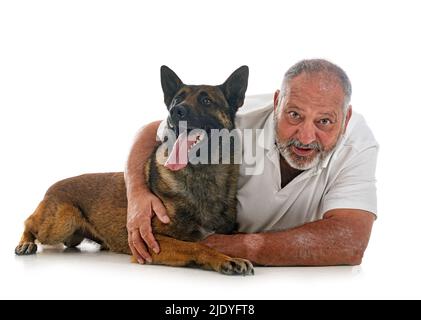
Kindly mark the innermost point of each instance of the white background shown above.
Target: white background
(79, 78)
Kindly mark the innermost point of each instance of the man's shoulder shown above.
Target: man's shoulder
(256, 102)
(358, 134)
(255, 111)
(357, 144)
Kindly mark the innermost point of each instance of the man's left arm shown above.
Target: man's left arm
(340, 238)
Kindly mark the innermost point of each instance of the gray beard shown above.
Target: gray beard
(301, 163)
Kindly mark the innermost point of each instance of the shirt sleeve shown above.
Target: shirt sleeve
(355, 185)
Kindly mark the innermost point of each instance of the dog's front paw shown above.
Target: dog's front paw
(234, 266)
(26, 248)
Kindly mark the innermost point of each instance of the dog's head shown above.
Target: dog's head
(202, 107)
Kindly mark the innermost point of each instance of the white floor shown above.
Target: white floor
(56, 273)
(390, 269)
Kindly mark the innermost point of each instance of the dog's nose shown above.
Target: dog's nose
(178, 112)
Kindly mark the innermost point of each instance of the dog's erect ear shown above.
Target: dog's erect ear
(234, 88)
(170, 83)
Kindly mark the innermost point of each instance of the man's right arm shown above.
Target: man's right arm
(142, 203)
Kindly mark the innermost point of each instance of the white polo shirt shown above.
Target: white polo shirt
(346, 179)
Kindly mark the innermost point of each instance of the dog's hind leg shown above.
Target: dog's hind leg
(53, 222)
(179, 253)
(27, 244)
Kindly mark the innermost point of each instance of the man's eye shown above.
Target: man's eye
(325, 122)
(206, 101)
(293, 115)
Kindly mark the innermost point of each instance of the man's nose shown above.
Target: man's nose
(306, 133)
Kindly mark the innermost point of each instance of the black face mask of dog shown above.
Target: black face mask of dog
(199, 107)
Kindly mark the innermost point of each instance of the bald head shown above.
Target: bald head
(330, 75)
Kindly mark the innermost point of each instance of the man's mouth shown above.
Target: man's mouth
(303, 152)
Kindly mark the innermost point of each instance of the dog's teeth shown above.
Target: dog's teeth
(198, 138)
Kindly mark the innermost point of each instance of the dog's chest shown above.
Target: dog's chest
(206, 197)
(202, 198)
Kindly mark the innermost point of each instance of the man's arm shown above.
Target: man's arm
(340, 238)
(142, 204)
(141, 150)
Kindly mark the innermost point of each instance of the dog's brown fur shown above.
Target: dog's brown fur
(199, 199)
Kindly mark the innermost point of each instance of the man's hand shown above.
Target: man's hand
(141, 209)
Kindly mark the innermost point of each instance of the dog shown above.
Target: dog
(200, 198)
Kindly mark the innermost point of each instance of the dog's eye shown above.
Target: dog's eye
(206, 101)
(177, 99)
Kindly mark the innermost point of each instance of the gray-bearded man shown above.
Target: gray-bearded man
(314, 201)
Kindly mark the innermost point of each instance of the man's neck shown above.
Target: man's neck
(287, 172)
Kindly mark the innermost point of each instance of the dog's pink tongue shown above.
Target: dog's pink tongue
(178, 157)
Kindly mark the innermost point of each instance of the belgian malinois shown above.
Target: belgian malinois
(200, 198)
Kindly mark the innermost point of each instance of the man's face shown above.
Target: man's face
(310, 120)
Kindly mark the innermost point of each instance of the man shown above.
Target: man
(315, 201)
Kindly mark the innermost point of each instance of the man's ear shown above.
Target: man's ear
(348, 117)
(234, 88)
(276, 97)
(170, 83)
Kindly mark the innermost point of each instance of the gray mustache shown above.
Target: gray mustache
(298, 144)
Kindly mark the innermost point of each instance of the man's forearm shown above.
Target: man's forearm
(141, 150)
(329, 241)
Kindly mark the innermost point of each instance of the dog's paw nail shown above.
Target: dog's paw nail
(26, 249)
(237, 266)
